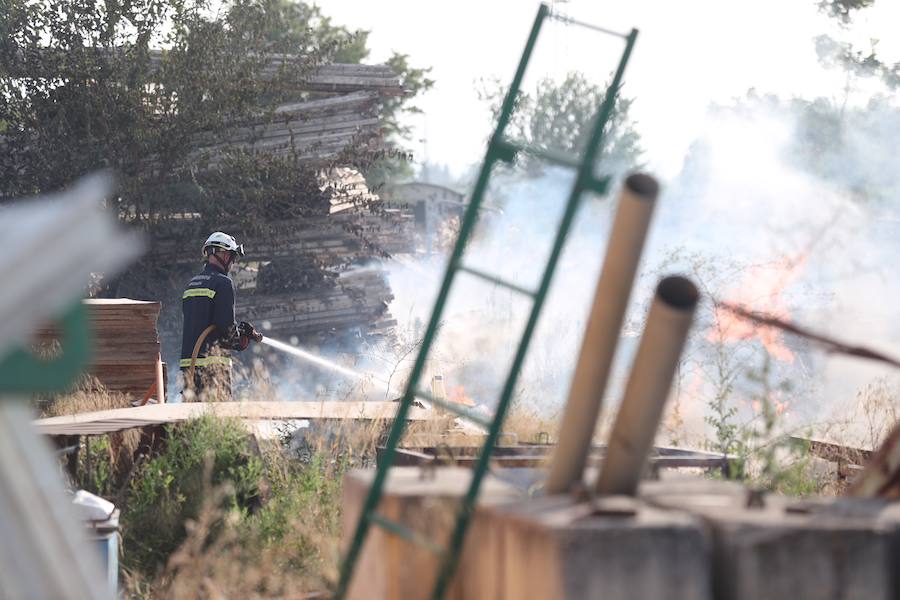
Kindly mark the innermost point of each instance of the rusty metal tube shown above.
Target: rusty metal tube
(623, 254)
(648, 385)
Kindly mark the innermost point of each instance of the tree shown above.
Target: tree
(834, 53)
(844, 143)
(560, 115)
(81, 90)
(297, 23)
(153, 89)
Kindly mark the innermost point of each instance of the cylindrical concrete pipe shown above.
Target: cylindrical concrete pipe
(623, 254)
(648, 385)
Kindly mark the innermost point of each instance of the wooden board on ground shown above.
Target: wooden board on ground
(107, 421)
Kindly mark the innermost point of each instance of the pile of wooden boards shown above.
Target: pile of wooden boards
(301, 274)
(338, 238)
(314, 130)
(281, 280)
(125, 345)
(356, 298)
(347, 112)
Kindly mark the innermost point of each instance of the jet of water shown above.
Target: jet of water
(325, 363)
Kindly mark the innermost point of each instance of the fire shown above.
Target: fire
(761, 289)
(458, 395)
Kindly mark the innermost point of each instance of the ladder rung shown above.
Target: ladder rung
(552, 156)
(570, 21)
(455, 408)
(406, 533)
(497, 280)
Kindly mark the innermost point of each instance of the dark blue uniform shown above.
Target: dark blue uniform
(209, 300)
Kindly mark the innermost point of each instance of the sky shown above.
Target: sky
(688, 54)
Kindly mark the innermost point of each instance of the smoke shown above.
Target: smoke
(783, 206)
(482, 322)
(757, 193)
(763, 212)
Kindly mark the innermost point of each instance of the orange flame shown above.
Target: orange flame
(458, 395)
(762, 288)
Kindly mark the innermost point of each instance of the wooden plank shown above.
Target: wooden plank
(106, 421)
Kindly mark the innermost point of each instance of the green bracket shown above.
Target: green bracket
(22, 372)
(503, 151)
(601, 185)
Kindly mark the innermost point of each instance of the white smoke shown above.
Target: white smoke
(744, 199)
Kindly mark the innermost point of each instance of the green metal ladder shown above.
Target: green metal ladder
(503, 150)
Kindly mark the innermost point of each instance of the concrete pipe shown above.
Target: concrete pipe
(648, 386)
(623, 254)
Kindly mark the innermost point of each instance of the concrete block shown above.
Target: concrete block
(783, 549)
(616, 548)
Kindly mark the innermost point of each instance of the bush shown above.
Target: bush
(170, 488)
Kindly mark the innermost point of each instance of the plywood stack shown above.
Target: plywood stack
(125, 347)
(126, 344)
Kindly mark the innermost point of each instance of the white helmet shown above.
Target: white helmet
(222, 241)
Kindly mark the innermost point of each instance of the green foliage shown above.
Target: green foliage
(302, 28)
(850, 147)
(81, 91)
(95, 469)
(843, 9)
(396, 166)
(415, 81)
(83, 87)
(762, 454)
(559, 115)
(169, 489)
(834, 53)
(302, 511)
(729, 438)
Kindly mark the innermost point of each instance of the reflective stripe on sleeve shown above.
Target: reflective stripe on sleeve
(195, 292)
(205, 362)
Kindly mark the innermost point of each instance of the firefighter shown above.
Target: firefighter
(210, 330)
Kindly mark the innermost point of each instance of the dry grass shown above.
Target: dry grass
(530, 426)
(89, 395)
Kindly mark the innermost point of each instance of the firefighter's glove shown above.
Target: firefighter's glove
(245, 329)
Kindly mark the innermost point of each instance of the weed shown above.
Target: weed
(168, 489)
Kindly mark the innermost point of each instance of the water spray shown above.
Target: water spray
(327, 364)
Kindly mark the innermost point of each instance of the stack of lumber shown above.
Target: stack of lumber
(343, 237)
(339, 78)
(355, 299)
(334, 78)
(314, 130)
(125, 345)
(347, 189)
